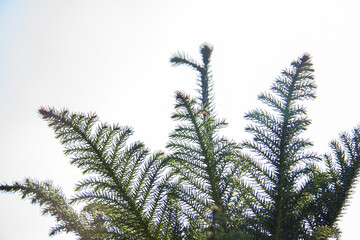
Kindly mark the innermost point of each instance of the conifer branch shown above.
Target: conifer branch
(54, 203)
(335, 184)
(205, 78)
(128, 180)
(280, 149)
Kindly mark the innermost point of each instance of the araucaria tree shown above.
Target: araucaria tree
(206, 186)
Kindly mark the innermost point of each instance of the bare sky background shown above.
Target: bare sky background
(112, 57)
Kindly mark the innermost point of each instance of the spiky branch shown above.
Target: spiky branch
(54, 203)
(205, 79)
(128, 190)
(276, 199)
(206, 163)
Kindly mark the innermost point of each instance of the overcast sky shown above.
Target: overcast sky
(112, 57)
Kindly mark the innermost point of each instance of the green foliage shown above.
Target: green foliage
(276, 199)
(206, 163)
(54, 203)
(127, 186)
(206, 186)
(332, 186)
(205, 79)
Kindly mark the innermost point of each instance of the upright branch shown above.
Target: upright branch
(205, 79)
(333, 186)
(207, 164)
(277, 198)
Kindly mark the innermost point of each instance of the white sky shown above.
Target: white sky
(111, 57)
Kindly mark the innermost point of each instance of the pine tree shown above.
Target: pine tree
(206, 186)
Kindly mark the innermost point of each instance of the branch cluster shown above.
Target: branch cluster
(206, 187)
